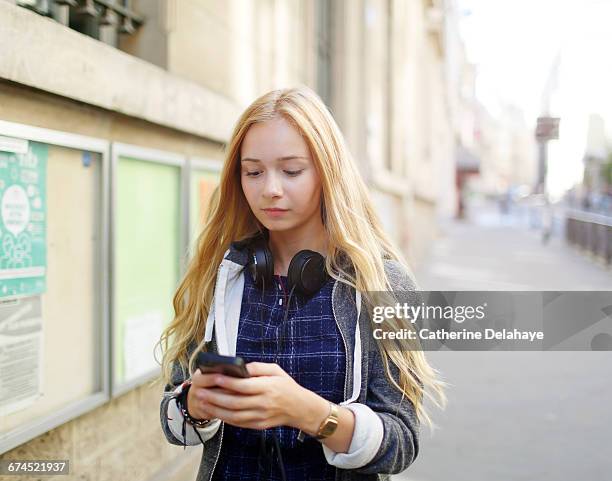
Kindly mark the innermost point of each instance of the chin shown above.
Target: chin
(272, 227)
(277, 226)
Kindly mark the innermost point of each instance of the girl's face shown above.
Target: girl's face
(277, 172)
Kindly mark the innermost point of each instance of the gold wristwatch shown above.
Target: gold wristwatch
(329, 424)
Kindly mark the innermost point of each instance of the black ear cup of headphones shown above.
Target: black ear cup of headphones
(306, 273)
(260, 263)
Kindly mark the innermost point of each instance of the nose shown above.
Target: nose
(272, 185)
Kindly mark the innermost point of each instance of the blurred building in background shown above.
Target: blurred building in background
(507, 149)
(575, 161)
(597, 178)
(461, 94)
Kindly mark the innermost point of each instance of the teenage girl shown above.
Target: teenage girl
(283, 276)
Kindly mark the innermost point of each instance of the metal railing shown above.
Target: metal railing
(591, 233)
(103, 20)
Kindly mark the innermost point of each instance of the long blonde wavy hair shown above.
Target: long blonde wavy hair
(353, 228)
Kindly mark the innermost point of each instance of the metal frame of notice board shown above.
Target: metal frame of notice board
(45, 423)
(145, 155)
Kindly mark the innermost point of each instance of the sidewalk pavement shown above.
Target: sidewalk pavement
(469, 256)
(515, 416)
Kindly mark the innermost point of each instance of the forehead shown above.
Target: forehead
(273, 139)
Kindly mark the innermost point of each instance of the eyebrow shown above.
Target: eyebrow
(287, 157)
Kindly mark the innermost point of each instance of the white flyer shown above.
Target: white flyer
(141, 334)
(20, 353)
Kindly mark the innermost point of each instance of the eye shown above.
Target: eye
(293, 173)
(252, 174)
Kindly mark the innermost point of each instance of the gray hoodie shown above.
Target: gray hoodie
(386, 434)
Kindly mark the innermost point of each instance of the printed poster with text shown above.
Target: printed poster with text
(23, 250)
(21, 353)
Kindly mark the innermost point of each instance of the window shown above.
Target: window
(104, 20)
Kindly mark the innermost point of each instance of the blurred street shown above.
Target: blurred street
(515, 415)
(495, 252)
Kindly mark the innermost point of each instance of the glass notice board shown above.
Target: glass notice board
(147, 244)
(53, 295)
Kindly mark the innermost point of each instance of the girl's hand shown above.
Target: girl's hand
(269, 398)
(200, 383)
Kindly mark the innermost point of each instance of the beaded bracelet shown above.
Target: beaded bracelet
(182, 404)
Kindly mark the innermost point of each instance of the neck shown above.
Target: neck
(285, 244)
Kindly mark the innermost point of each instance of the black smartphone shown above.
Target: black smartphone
(209, 362)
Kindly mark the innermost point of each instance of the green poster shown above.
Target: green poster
(147, 253)
(23, 219)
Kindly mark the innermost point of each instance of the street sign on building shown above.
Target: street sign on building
(547, 129)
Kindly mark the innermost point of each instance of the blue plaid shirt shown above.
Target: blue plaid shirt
(309, 347)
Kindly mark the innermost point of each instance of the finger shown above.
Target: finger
(221, 390)
(238, 418)
(225, 398)
(196, 390)
(252, 385)
(264, 369)
(231, 401)
(200, 393)
(203, 380)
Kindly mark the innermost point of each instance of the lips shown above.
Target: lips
(275, 213)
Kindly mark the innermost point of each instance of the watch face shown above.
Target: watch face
(329, 427)
(330, 424)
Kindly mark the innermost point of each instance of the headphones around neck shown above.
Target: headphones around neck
(307, 273)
